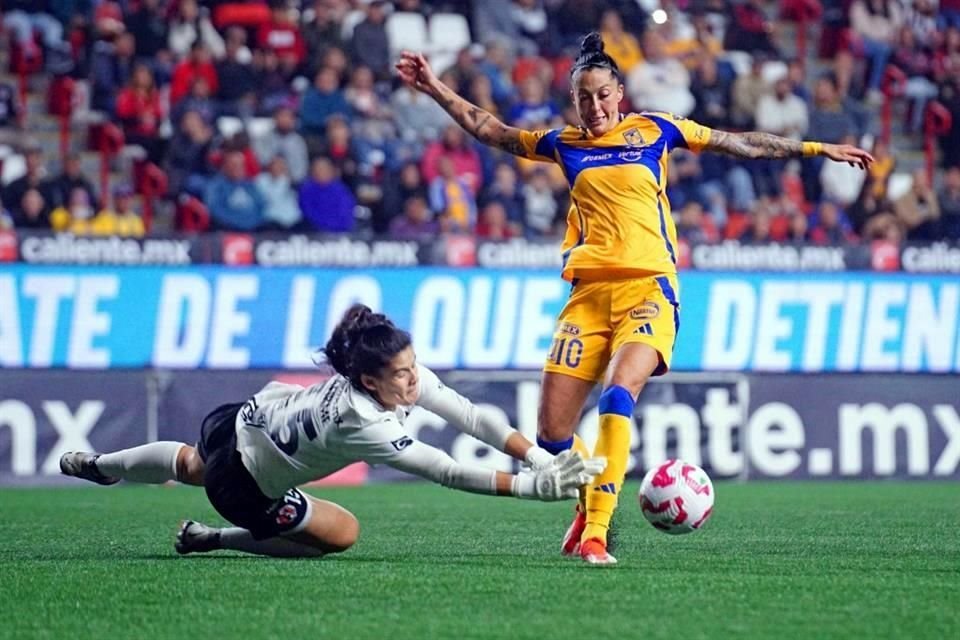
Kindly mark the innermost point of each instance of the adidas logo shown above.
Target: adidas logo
(610, 487)
(644, 329)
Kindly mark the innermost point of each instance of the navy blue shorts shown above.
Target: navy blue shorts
(232, 490)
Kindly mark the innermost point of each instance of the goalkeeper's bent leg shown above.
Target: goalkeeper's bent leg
(153, 463)
(613, 443)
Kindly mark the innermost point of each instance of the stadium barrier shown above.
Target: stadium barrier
(746, 426)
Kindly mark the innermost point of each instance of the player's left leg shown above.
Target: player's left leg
(325, 528)
(153, 463)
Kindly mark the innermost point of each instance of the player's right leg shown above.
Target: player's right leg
(153, 463)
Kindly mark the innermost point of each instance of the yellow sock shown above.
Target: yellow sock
(613, 444)
(581, 447)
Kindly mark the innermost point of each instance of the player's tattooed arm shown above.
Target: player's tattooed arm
(753, 145)
(481, 124)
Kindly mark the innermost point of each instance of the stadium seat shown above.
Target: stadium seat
(773, 71)
(229, 125)
(245, 14)
(14, 166)
(406, 30)
(350, 21)
(449, 34)
(739, 60)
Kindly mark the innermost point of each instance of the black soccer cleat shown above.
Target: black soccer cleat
(80, 464)
(196, 537)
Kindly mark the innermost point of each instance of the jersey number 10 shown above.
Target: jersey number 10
(567, 351)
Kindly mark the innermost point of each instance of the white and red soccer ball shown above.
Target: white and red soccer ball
(676, 497)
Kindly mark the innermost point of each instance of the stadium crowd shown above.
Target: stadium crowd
(286, 115)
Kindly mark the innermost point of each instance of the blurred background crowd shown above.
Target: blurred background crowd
(126, 117)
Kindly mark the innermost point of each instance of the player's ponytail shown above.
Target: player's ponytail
(592, 56)
(363, 343)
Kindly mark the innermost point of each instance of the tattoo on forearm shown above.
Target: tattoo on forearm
(480, 124)
(754, 144)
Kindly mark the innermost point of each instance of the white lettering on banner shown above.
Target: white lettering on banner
(657, 420)
(720, 417)
(23, 436)
(535, 328)
(438, 310)
(230, 323)
(850, 323)
(88, 323)
(72, 429)
(938, 257)
(48, 290)
(489, 333)
(775, 426)
(296, 339)
(772, 327)
(349, 291)
(11, 347)
(183, 321)
(730, 312)
(883, 424)
(880, 328)
(949, 422)
(931, 333)
(820, 298)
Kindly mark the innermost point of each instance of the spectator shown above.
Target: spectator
(493, 19)
(883, 226)
(748, 89)
(33, 178)
(58, 189)
(759, 229)
(31, 211)
(321, 101)
(237, 85)
(111, 68)
(749, 29)
(829, 225)
(876, 23)
(481, 94)
(9, 106)
(691, 225)
(660, 83)
(784, 114)
(851, 90)
(191, 26)
(6, 222)
(534, 105)
(504, 189)
(281, 210)
(282, 36)
(271, 80)
(878, 175)
(338, 147)
(840, 182)
(829, 122)
(198, 65)
(494, 224)
(369, 44)
(284, 141)
(919, 210)
(199, 100)
(949, 201)
(917, 63)
(149, 28)
(76, 215)
(532, 28)
(23, 16)
(452, 198)
(322, 31)
(712, 91)
(416, 222)
(406, 184)
(140, 111)
(123, 220)
(497, 65)
(326, 202)
(619, 44)
(463, 157)
(231, 197)
(188, 166)
(540, 205)
(799, 230)
(419, 119)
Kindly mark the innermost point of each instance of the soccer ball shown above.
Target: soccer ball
(676, 497)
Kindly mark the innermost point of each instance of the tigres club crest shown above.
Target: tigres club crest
(634, 138)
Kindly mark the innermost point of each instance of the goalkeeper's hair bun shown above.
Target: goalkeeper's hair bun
(363, 343)
(592, 56)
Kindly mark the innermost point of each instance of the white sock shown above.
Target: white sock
(153, 463)
(239, 539)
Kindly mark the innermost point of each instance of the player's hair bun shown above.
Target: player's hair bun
(362, 342)
(592, 43)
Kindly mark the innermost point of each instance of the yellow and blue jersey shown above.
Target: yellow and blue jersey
(619, 225)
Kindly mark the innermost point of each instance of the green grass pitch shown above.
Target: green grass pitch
(777, 560)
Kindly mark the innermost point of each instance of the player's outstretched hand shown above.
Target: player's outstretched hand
(416, 72)
(848, 153)
(563, 478)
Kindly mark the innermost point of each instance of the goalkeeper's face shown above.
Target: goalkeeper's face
(597, 94)
(397, 383)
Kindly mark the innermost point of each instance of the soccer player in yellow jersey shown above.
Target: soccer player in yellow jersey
(620, 250)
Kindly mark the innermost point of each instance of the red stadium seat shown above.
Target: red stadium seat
(246, 14)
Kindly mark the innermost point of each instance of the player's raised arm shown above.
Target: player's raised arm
(487, 427)
(756, 144)
(416, 72)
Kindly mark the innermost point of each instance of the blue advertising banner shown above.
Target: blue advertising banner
(237, 318)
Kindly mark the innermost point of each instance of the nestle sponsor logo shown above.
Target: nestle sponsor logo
(519, 253)
(768, 257)
(66, 248)
(300, 250)
(937, 258)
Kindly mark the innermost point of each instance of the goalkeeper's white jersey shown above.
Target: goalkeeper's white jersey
(288, 435)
